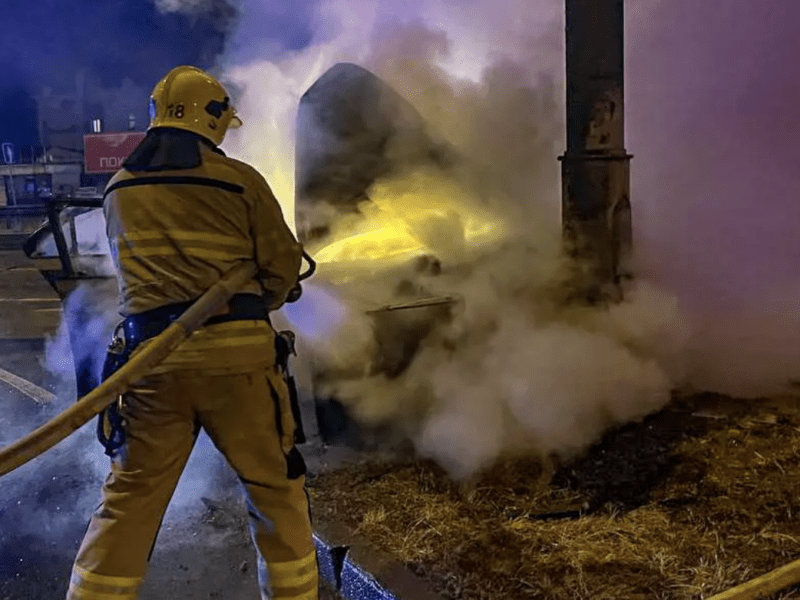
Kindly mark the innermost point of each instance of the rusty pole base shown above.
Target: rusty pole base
(596, 220)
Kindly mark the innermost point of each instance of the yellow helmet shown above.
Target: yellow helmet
(189, 98)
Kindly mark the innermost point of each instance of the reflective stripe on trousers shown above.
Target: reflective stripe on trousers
(91, 586)
(290, 580)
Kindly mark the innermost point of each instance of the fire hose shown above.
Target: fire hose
(765, 585)
(77, 415)
(141, 363)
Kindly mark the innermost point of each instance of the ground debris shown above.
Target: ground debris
(677, 507)
(221, 514)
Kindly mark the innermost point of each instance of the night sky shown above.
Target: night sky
(46, 42)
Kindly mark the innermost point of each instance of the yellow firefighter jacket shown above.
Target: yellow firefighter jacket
(173, 233)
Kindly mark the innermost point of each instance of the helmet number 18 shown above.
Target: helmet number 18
(175, 110)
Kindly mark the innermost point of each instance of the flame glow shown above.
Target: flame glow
(421, 215)
(377, 244)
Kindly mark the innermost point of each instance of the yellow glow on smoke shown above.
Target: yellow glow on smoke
(422, 215)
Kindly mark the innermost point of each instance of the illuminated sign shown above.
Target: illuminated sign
(105, 152)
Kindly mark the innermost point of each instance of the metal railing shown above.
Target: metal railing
(17, 211)
(52, 211)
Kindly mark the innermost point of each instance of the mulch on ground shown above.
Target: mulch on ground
(687, 503)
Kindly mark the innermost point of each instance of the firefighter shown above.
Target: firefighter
(179, 215)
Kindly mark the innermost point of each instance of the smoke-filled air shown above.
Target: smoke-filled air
(509, 366)
(491, 359)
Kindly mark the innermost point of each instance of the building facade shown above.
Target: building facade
(57, 165)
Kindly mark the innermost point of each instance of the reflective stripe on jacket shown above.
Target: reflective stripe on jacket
(173, 233)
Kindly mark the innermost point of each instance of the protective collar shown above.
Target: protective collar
(168, 149)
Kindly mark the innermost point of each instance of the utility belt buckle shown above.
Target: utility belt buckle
(110, 430)
(116, 353)
(117, 344)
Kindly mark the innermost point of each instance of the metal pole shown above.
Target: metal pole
(54, 218)
(595, 169)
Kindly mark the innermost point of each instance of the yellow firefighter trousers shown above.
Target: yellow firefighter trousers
(242, 412)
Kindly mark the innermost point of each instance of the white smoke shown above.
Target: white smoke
(750, 348)
(89, 312)
(514, 368)
(53, 496)
(714, 182)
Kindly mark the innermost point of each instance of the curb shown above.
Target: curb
(360, 572)
(346, 578)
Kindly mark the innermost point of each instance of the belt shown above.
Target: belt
(145, 325)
